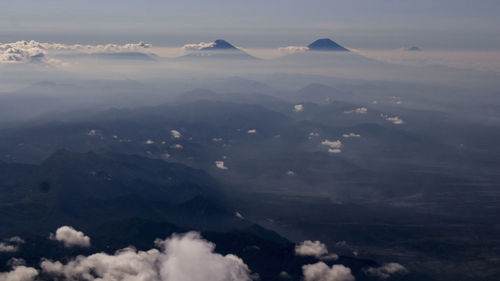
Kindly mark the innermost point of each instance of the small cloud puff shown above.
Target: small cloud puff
(239, 215)
(298, 108)
(71, 237)
(11, 245)
(333, 146)
(220, 165)
(290, 173)
(293, 49)
(322, 272)
(252, 131)
(394, 120)
(310, 248)
(175, 134)
(351, 135)
(361, 110)
(387, 270)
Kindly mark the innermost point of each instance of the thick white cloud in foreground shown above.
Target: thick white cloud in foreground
(183, 258)
(322, 272)
(19, 273)
(394, 120)
(220, 165)
(71, 237)
(387, 270)
(293, 49)
(175, 134)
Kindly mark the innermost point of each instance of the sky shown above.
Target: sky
(364, 24)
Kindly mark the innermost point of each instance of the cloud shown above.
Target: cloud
(351, 135)
(11, 245)
(290, 173)
(149, 142)
(71, 237)
(387, 270)
(293, 49)
(361, 110)
(333, 146)
(198, 47)
(394, 120)
(217, 139)
(184, 257)
(252, 131)
(298, 108)
(310, 248)
(220, 165)
(19, 273)
(322, 272)
(33, 51)
(175, 134)
(314, 249)
(177, 146)
(239, 215)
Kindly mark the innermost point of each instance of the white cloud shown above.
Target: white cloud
(298, 108)
(33, 51)
(293, 49)
(290, 173)
(239, 215)
(184, 257)
(177, 146)
(175, 134)
(361, 110)
(386, 270)
(11, 245)
(19, 273)
(71, 237)
(252, 131)
(149, 142)
(394, 120)
(285, 275)
(220, 165)
(322, 272)
(217, 139)
(6, 248)
(310, 248)
(333, 146)
(198, 47)
(351, 135)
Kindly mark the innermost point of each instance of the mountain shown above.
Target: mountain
(326, 45)
(220, 49)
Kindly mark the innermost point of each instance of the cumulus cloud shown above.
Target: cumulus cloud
(33, 51)
(387, 270)
(177, 146)
(19, 273)
(183, 258)
(310, 248)
(290, 173)
(252, 131)
(333, 146)
(351, 135)
(361, 110)
(149, 142)
(198, 47)
(322, 272)
(239, 215)
(175, 134)
(71, 237)
(220, 165)
(293, 49)
(11, 245)
(217, 139)
(394, 119)
(298, 108)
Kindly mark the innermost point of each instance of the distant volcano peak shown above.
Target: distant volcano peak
(220, 44)
(325, 44)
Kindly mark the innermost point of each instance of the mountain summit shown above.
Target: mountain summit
(326, 45)
(219, 44)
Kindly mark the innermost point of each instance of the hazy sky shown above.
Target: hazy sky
(431, 24)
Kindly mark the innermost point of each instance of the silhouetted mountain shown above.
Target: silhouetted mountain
(219, 49)
(326, 45)
(220, 44)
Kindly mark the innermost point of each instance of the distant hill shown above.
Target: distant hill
(326, 44)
